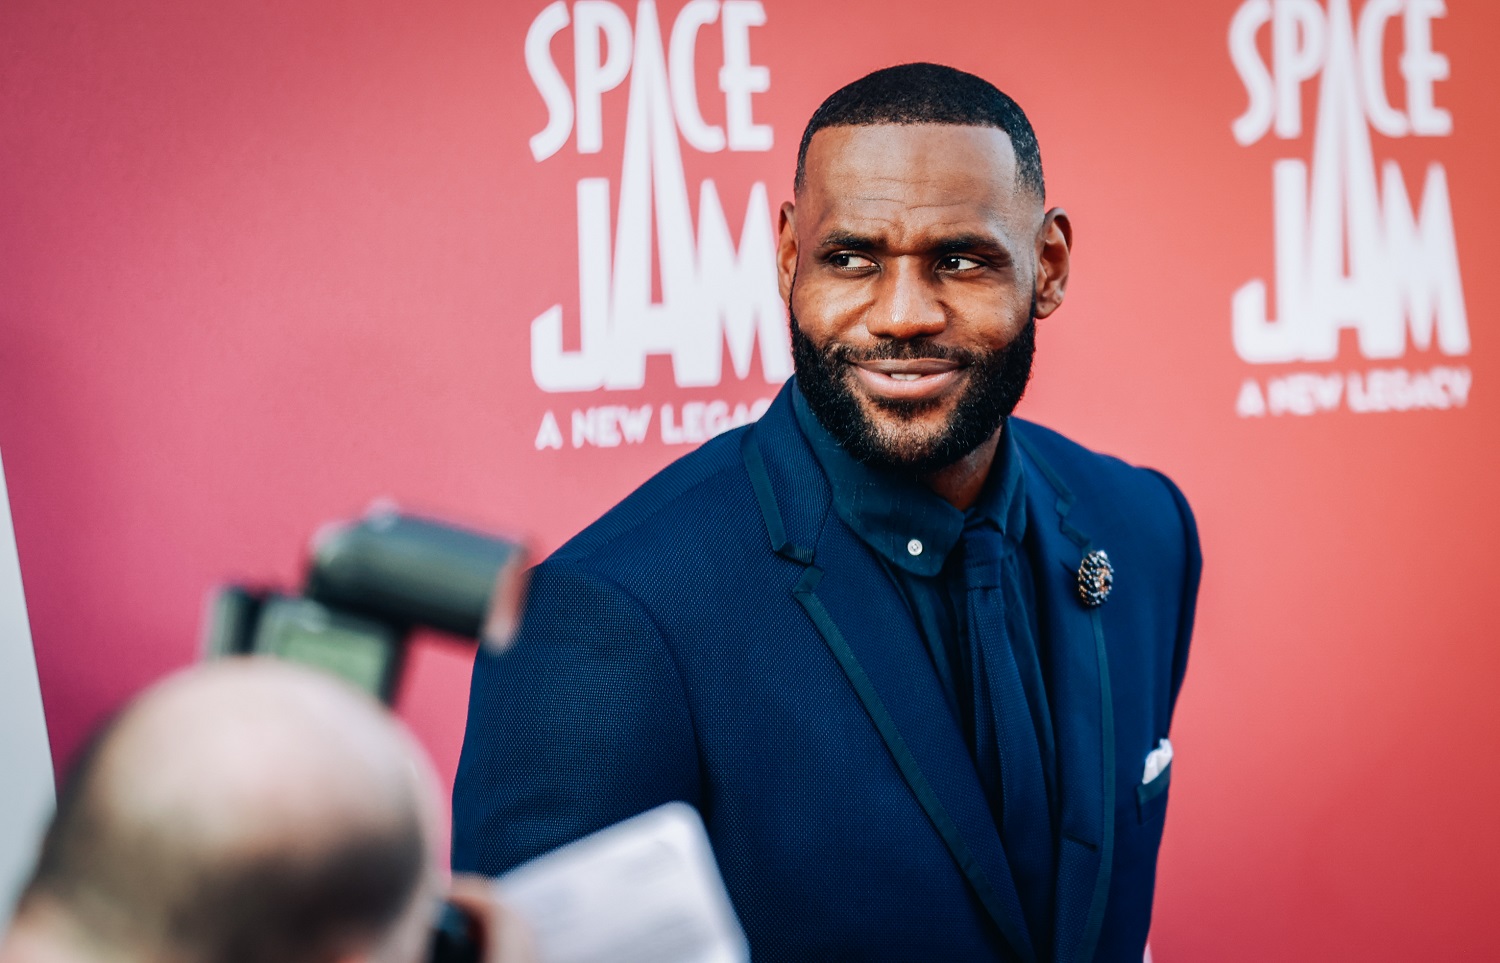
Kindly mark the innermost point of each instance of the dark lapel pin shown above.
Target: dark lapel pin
(1095, 578)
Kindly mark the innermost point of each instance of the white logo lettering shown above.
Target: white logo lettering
(1352, 251)
(713, 291)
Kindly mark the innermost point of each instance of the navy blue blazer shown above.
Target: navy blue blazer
(721, 637)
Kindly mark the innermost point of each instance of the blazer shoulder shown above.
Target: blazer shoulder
(1100, 481)
(683, 493)
(1140, 511)
(1110, 496)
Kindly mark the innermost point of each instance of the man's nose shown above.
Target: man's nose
(908, 305)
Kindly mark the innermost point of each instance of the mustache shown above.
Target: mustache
(919, 349)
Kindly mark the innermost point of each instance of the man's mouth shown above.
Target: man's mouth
(913, 379)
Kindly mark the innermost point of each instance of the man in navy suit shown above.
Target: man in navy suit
(914, 660)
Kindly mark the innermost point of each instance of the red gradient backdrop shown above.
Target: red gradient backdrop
(261, 262)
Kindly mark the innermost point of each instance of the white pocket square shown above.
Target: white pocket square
(1157, 761)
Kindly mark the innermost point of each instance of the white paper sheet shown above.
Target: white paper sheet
(646, 890)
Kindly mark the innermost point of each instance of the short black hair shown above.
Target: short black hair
(928, 94)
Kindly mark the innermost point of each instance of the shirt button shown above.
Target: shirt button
(914, 547)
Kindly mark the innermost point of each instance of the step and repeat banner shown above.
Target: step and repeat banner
(499, 261)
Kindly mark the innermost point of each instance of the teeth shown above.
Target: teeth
(906, 377)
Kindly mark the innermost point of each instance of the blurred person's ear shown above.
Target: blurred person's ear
(503, 936)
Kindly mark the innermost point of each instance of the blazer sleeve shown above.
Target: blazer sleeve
(1191, 576)
(582, 722)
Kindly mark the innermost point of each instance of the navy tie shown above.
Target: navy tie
(1006, 748)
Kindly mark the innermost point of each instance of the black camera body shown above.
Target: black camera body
(454, 937)
(369, 585)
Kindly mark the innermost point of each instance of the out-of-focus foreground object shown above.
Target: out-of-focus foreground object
(369, 584)
(25, 760)
(249, 809)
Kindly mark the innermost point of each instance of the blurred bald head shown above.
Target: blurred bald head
(241, 811)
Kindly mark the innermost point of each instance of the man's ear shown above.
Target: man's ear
(786, 251)
(1053, 252)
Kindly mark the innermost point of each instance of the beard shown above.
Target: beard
(995, 383)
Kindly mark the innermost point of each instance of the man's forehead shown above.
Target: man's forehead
(936, 172)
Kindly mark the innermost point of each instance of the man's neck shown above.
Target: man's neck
(961, 482)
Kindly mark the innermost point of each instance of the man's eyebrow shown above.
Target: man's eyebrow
(849, 240)
(969, 242)
(961, 243)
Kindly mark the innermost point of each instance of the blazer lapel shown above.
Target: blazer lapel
(1083, 716)
(873, 639)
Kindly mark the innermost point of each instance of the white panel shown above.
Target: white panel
(25, 760)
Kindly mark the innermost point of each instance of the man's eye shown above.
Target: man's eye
(850, 262)
(957, 262)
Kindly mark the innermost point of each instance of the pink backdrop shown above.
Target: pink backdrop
(261, 262)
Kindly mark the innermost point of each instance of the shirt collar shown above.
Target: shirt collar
(902, 520)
